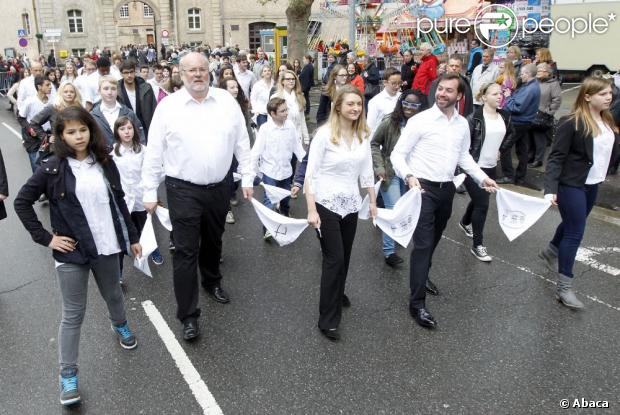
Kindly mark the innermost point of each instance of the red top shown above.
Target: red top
(358, 82)
(426, 74)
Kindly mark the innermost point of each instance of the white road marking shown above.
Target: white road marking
(542, 277)
(12, 130)
(202, 394)
(584, 255)
(571, 89)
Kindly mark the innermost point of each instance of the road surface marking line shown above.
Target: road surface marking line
(12, 130)
(202, 394)
(572, 89)
(529, 271)
(584, 255)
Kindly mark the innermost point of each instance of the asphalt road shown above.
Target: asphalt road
(503, 344)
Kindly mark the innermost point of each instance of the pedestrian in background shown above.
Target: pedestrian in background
(541, 133)
(338, 78)
(306, 78)
(372, 79)
(426, 73)
(384, 102)
(354, 78)
(260, 94)
(483, 74)
(506, 79)
(289, 88)
(4, 187)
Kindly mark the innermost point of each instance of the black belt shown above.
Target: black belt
(435, 184)
(201, 186)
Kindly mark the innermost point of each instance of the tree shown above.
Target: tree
(297, 20)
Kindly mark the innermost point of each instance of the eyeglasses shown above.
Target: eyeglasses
(342, 74)
(411, 105)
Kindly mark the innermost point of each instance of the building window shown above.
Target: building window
(193, 16)
(148, 12)
(78, 52)
(26, 23)
(255, 28)
(124, 11)
(75, 21)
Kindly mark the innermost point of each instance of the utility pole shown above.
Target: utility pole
(352, 29)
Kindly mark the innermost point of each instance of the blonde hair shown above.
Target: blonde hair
(545, 55)
(359, 126)
(107, 78)
(60, 103)
(509, 72)
(330, 88)
(516, 50)
(484, 89)
(581, 109)
(301, 101)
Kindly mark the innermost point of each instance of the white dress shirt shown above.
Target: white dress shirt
(378, 107)
(334, 170)
(92, 193)
(603, 145)
(129, 165)
(431, 145)
(31, 107)
(479, 78)
(110, 113)
(260, 97)
(155, 85)
(246, 81)
(295, 113)
(27, 89)
(195, 141)
(274, 148)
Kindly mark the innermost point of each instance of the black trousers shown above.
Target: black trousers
(434, 215)
(307, 98)
(539, 138)
(476, 212)
(522, 137)
(198, 215)
(337, 235)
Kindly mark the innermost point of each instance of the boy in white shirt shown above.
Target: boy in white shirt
(276, 142)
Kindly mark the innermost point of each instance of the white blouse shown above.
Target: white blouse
(334, 170)
(129, 165)
(92, 193)
(603, 145)
(295, 114)
(259, 97)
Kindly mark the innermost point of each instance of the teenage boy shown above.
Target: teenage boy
(31, 107)
(384, 102)
(276, 142)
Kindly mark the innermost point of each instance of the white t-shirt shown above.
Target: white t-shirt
(132, 98)
(601, 154)
(495, 130)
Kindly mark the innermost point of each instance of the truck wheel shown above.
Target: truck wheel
(597, 71)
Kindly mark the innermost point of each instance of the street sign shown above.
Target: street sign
(164, 41)
(165, 33)
(52, 33)
(23, 42)
(21, 32)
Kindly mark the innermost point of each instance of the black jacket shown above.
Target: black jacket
(478, 133)
(306, 77)
(108, 134)
(56, 180)
(4, 186)
(325, 107)
(570, 159)
(407, 73)
(145, 101)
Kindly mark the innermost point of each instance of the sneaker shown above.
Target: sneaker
(392, 260)
(480, 252)
(69, 393)
(157, 258)
(267, 237)
(230, 218)
(125, 337)
(467, 230)
(171, 246)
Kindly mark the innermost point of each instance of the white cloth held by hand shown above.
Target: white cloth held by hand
(517, 212)
(400, 222)
(283, 229)
(364, 212)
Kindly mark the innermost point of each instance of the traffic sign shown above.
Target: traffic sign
(21, 32)
(23, 42)
(165, 33)
(52, 33)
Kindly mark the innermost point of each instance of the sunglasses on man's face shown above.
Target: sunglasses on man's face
(411, 105)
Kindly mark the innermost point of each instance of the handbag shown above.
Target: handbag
(370, 90)
(543, 121)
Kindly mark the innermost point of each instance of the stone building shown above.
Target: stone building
(85, 24)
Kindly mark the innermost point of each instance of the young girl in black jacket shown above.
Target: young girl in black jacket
(585, 144)
(90, 227)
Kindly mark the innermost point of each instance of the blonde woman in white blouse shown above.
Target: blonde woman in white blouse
(259, 97)
(289, 88)
(339, 156)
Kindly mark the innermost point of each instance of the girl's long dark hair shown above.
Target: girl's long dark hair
(135, 140)
(96, 145)
(397, 115)
(241, 99)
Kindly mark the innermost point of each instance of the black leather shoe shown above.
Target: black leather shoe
(504, 180)
(190, 329)
(218, 294)
(331, 334)
(346, 303)
(393, 260)
(423, 317)
(536, 164)
(431, 288)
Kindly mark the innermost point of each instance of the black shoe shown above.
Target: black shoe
(190, 329)
(504, 180)
(331, 334)
(423, 317)
(218, 294)
(393, 260)
(346, 303)
(431, 288)
(536, 164)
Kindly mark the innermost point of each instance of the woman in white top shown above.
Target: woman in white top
(70, 72)
(259, 97)
(339, 156)
(289, 88)
(585, 144)
(491, 132)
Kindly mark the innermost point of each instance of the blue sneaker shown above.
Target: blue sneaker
(157, 258)
(69, 393)
(125, 337)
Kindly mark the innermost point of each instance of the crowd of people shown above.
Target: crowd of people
(104, 133)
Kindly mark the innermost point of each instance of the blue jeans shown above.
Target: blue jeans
(282, 184)
(33, 156)
(575, 204)
(395, 190)
(261, 119)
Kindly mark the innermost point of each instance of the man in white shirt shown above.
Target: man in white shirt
(484, 73)
(430, 147)
(31, 107)
(196, 161)
(26, 86)
(383, 103)
(81, 81)
(157, 79)
(245, 77)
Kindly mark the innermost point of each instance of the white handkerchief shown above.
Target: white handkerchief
(142, 264)
(283, 229)
(400, 223)
(517, 212)
(236, 176)
(275, 194)
(147, 239)
(458, 180)
(364, 212)
(164, 217)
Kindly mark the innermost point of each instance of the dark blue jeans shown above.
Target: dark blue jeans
(282, 184)
(575, 204)
(261, 119)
